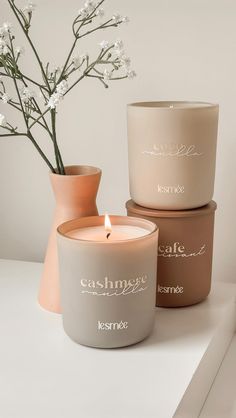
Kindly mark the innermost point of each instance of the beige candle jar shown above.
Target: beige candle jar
(108, 288)
(184, 253)
(172, 153)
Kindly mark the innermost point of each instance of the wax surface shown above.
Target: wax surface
(98, 233)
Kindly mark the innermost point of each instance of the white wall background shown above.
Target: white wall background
(183, 49)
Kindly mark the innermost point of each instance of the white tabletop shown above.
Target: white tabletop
(43, 374)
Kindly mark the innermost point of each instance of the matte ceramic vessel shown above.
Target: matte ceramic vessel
(75, 195)
(172, 153)
(184, 253)
(108, 288)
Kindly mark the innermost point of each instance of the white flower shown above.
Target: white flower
(131, 74)
(118, 45)
(89, 4)
(54, 100)
(3, 121)
(56, 97)
(19, 50)
(125, 61)
(62, 88)
(5, 98)
(26, 94)
(104, 44)
(30, 7)
(125, 19)
(57, 70)
(76, 61)
(100, 12)
(83, 13)
(88, 8)
(5, 28)
(3, 47)
(83, 57)
(107, 74)
(117, 18)
(119, 52)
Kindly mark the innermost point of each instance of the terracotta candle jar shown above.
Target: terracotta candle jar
(184, 253)
(108, 280)
(172, 153)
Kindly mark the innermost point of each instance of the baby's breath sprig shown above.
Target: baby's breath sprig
(38, 100)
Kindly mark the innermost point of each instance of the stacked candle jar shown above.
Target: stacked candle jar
(172, 153)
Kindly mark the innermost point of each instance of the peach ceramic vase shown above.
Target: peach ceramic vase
(75, 195)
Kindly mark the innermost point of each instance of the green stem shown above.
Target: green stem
(16, 134)
(40, 117)
(29, 134)
(74, 84)
(31, 138)
(33, 82)
(87, 71)
(67, 60)
(37, 108)
(60, 165)
(30, 116)
(16, 11)
(76, 39)
(103, 26)
(119, 78)
(99, 78)
(17, 89)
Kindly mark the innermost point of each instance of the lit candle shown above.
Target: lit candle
(108, 232)
(108, 279)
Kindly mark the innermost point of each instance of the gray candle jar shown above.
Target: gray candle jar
(172, 153)
(108, 289)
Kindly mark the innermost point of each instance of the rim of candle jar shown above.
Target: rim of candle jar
(92, 221)
(78, 171)
(174, 105)
(156, 213)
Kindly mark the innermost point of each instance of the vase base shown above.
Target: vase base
(49, 307)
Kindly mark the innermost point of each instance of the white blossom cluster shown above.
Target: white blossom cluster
(19, 50)
(5, 31)
(117, 18)
(54, 86)
(56, 97)
(122, 60)
(30, 7)
(78, 60)
(26, 94)
(3, 121)
(3, 47)
(5, 98)
(89, 8)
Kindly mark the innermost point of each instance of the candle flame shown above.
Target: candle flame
(108, 228)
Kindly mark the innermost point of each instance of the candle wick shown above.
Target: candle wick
(108, 235)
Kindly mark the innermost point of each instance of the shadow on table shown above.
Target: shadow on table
(188, 323)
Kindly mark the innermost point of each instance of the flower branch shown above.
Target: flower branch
(110, 64)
